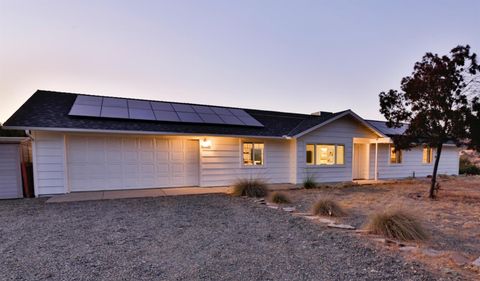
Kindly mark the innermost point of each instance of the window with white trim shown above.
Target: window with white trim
(395, 155)
(253, 153)
(427, 155)
(325, 154)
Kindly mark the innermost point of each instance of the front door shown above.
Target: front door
(360, 161)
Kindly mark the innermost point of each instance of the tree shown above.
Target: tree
(439, 101)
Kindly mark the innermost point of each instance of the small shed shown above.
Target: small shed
(14, 152)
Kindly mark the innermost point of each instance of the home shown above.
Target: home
(85, 143)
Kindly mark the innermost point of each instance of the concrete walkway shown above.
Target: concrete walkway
(136, 193)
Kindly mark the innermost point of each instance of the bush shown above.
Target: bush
(397, 224)
(467, 167)
(250, 188)
(327, 207)
(309, 182)
(280, 198)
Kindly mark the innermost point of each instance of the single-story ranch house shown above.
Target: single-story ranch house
(85, 143)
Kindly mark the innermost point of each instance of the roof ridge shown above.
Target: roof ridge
(186, 103)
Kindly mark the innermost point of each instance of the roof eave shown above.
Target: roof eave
(134, 132)
(347, 112)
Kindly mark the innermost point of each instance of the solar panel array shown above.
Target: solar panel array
(94, 106)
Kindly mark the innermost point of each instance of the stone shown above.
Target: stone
(431, 252)
(272, 207)
(311, 217)
(289, 209)
(341, 226)
(408, 249)
(327, 221)
(476, 262)
(459, 259)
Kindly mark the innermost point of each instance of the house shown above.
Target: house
(84, 143)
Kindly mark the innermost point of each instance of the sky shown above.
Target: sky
(294, 56)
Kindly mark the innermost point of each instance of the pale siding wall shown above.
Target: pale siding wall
(10, 176)
(341, 131)
(412, 162)
(222, 164)
(48, 151)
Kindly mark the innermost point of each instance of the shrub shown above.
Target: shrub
(309, 182)
(250, 187)
(467, 167)
(280, 198)
(327, 207)
(397, 224)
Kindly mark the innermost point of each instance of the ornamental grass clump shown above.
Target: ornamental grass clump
(328, 207)
(250, 187)
(279, 198)
(309, 182)
(397, 224)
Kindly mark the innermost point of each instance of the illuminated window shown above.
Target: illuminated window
(310, 154)
(325, 154)
(340, 154)
(253, 154)
(395, 155)
(427, 155)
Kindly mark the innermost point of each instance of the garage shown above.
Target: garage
(10, 174)
(130, 162)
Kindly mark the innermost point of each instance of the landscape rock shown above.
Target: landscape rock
(341, 226)
(289, 209)
(328, 221)
(476, 262)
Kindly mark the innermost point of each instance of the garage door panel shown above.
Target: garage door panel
(105, 163)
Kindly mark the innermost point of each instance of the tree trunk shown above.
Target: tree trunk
(435, 169)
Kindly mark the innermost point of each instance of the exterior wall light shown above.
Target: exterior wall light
(205, 143)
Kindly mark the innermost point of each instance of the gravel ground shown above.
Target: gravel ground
(212, 237)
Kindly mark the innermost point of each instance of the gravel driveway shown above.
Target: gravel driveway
(212, 237)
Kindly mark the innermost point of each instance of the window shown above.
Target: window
(427, 155)
(325, 154)
(395, 156)
(310, 154)
(253, 154)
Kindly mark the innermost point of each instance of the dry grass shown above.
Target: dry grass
(327, 207)
(397, 224)
(250, 187)
(309, 182)
(279, 198)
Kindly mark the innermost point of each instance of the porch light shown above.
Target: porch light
(205, 143)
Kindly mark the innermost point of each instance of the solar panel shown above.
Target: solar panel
(139, 104)
(189, 117)
(114, 112)
(143, 114)
(161, 115)
(230, 119)
(156, 105)
(85, 110)
(95, 106)
(211, 118)
(89, 100)
(221, 111)
(203, 109)
(114, 102)
(182, 107)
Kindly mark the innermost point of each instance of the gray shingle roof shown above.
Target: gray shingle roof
(47, 109)
(382, 127)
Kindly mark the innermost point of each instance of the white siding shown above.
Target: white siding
(412, 163)
(341, 131)
(10, 176)
(221, 164)
(48, 150)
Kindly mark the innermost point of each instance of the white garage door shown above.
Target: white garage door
(108, 163)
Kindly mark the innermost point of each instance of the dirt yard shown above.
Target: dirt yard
(453, 220)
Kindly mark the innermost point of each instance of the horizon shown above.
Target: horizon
(292, 57)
